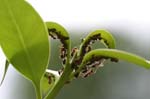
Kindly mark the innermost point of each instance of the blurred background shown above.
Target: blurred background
(127, 20)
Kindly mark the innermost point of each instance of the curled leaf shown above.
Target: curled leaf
(99, 35)
(113, 55)
(48, 80)
(116, 54)
(56, 31)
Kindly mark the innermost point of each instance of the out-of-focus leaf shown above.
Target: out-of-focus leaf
(5, 71)
(48, 80)
(115, 54)
(24, 39)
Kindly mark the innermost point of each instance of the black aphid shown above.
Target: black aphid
(87, 73)
(62, 52)
(60, 71)
(52, 30)
(64, 61)
(74, 50)
(88, 48)
(114, 59)
(49, 79)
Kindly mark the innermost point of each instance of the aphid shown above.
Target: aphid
(105, 41)
(63, 41)
(114, 59)
(61, 37)
(96, 36)
(96, 64)
(85, 69)
(64, 61)
(52, 33)
(74, 50)
(60, 71)
(52, 36)
(76, 75)
(65, 38)
(88, 73)
(61, 56)
(78, 61)
(62, 52)
(88, 48)
(52, 30)
(49, 79)
(84, 50)
(75, 65)
(93, 41)
(58, 35)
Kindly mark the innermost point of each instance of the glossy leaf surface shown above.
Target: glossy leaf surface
(24, 39)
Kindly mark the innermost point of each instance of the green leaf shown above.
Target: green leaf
(115, 54)
(57, 31)
(104, 36)
(5, 71)
(48, 80)
(24, 39)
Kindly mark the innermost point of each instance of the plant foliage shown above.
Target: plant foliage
(24, 39)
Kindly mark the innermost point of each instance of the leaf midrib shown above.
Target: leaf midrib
(19, 33)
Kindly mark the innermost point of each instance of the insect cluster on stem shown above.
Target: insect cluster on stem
(95, 61)
(77, 54)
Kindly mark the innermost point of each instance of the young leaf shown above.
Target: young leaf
(56, 31)
(115, 54)
(48, 80)
(99, 35)
(24, 39)
(5, 71)
(102, 35)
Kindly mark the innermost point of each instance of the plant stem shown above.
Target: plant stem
(64, 77)
(60, 83)
(38, 92)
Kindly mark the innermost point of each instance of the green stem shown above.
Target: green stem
(60, 83)
(38, 91)
(62, 80)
